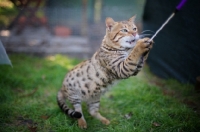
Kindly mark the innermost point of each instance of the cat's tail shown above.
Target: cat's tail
(63, 106)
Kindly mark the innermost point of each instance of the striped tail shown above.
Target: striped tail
(61, 103)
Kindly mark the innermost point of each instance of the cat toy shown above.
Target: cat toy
(180, 5)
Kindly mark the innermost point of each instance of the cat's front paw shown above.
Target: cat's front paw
(143, 46)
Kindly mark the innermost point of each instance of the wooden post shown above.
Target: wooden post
(84, 18)
(97, 11)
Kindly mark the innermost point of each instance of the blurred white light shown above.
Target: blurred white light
(5, 33)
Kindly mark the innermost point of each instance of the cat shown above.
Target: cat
(121, 55)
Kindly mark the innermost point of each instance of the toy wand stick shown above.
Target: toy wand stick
(180, 5)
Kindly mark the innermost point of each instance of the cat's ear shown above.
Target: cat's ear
(109, 23)
(132, 19)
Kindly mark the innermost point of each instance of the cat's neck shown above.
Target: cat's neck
(106, 46)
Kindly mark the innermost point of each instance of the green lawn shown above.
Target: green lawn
(138, 104)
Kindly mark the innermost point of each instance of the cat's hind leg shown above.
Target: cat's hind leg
(81, 121)
(93, 108)
(77, 112)
(61, 100)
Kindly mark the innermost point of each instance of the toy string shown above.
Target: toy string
(178, 7)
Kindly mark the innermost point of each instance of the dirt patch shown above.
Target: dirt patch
(29, 123)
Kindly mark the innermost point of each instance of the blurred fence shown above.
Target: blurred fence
(76, 20)
(85, 13)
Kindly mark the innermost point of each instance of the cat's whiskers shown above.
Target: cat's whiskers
(144, 35)
(147, 31)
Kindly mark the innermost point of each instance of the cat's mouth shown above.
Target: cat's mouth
(132, 41)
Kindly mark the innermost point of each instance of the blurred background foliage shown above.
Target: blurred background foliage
(7, 12)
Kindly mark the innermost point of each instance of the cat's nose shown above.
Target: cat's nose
(134, 34)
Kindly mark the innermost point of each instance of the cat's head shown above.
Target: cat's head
(122, 34)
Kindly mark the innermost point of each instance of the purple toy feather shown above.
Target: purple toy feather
(180, 5)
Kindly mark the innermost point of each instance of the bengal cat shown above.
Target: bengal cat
(121, 55)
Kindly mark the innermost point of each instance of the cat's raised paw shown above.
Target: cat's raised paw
(82, 123)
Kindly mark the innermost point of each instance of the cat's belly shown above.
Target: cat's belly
(95, 95)
(109, 86)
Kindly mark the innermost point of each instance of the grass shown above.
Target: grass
(140, 104)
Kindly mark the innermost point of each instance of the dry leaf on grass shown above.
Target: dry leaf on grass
(155, 124)
(32, 128)
(45, 117)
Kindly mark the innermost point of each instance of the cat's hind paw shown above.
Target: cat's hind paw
(105, 121)
(82, 123)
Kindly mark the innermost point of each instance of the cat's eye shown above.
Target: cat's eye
(134, 29)
(124, 30)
